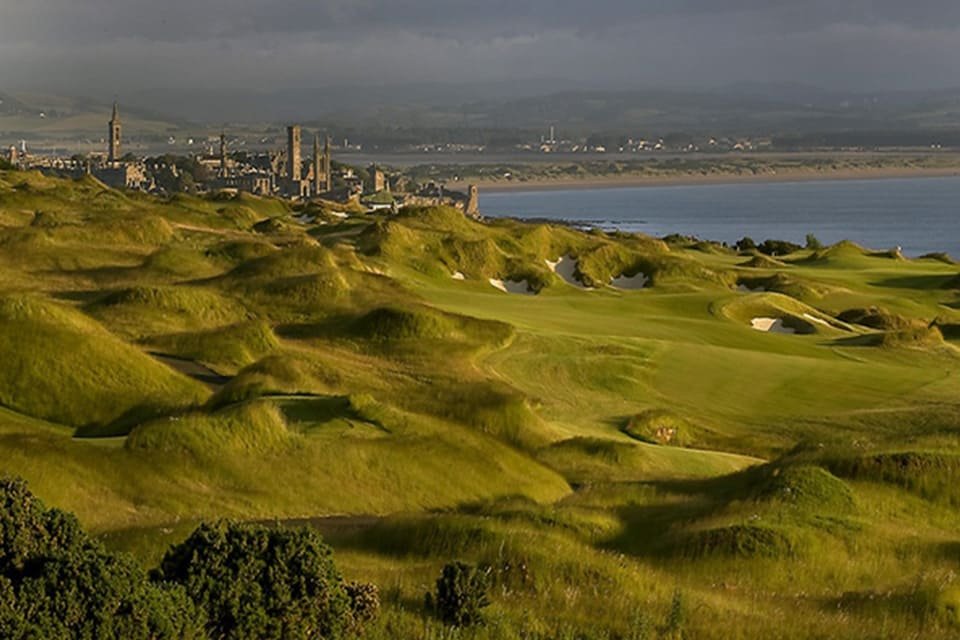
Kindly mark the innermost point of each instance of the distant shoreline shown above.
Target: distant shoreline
(623, 181)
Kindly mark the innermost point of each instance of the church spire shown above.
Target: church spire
(317, 165)
(113, 132)
(327, 166)
(223, 153)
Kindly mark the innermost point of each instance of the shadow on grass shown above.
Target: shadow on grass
(916, 282)
(653, 530)
(864, 340)
(873, 605)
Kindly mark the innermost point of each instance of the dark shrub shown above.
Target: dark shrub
(364, 604)
(746, 244)
(778, 247)
(813, 244)
(260, 582)
(56, 582)
(462, 594)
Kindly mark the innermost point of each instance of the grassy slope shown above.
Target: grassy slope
(364, 380)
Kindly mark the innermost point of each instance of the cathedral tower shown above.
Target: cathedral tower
(327, 166)
(294, 162)
(223, 154)
(317, 166)
(113, 155)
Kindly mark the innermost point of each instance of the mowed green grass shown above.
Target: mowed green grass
(345, 380)
(591, 356)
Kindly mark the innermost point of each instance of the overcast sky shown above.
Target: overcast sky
(124, 45)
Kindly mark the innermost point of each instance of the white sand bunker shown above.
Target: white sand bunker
(638, 281)
(816, 319)
(512, 286)
(771, 325)
(458, 275)
(566, 268)
(742, 288)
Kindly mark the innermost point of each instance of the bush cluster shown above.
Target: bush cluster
(771, 247)
(226, 581)
(462, 594)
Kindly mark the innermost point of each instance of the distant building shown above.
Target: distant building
(113, 133)
(260, 184)
(319, 180)
(295, 186)
(124, 176)
(116, 173)
(472, 205)
(353, 183)
(378, 180)
(294, 162)
(327, 167)
(223, 155)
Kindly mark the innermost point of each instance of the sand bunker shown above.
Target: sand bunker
(638, 281)
(771, 325)
(742, 288)
(512, 286)
(817, 320)
(566, 268)
(458, 275)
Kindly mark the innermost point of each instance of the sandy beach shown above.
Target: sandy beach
(687, 179)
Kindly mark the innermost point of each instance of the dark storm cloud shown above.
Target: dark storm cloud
(272, 43)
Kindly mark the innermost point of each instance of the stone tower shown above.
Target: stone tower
(317, 166)
(378, 181)
(327, 166)
(223, 154)
(473, 201)
(294, 161)
(113, 155)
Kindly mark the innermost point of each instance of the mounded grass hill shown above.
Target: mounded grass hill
(62, 366)
(635, 438)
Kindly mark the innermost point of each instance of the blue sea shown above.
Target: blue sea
(920, 215)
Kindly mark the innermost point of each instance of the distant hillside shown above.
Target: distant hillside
(503, 115)
(30, 115)
(746, 109)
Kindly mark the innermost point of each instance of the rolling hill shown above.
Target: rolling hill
(637, 438)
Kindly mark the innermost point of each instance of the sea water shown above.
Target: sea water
(920, 215)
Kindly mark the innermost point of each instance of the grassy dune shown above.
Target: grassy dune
(614, 455)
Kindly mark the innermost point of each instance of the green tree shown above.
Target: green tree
(56, 582)
(261, 583)
(777, 247)
(813, 243)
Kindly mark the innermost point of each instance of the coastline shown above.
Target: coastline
(679, 180)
